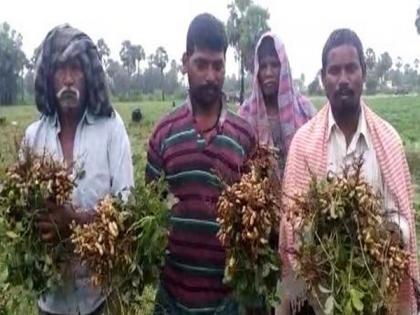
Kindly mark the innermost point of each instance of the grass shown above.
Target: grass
(402, 112)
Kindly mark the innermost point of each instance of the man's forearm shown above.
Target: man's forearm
(84, 217)
(401, 222)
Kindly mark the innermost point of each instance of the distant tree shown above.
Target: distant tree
(372, 71)
(370, 59)
(246, 23)
(232, 85)
(314, 88)
(29, 83)
(150, 60)
(397, 76)
(398, 63)
(384, 64)
(302, 77)
(171, 78)
(138, 55)
(131, 57)
(151, 78)
(103, 51)
(418, 20)
(160, 60)
(298, 85)
(119, 80)
(12, 64)
(416, 64)
(127, 57)
(410, 78)
(29, 78)
(371, 83)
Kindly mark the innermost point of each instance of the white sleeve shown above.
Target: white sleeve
(393, 215)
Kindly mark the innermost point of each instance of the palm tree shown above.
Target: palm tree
(416, 63)
(418, 20)
(370, 58)
(160, 61)
(103, 51)
(127, 57)
(138, 55)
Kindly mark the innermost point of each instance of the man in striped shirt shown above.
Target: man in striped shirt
(195, 147)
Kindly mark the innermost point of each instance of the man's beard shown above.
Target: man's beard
(346, 102)
(68, 98)
(205, 96)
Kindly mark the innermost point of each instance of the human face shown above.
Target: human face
(269, 75)
(206, 73)
(343, 79)
(69, 84)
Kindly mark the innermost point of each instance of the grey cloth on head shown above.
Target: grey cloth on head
(61, 44)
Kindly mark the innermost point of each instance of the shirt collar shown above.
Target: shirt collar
(362, 131)
(224, 110)
(87, 118)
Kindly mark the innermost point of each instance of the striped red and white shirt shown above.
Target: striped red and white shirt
(193, 166)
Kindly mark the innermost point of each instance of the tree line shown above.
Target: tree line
(137, 75)
(383, 75)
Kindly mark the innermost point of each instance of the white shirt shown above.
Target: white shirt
(340, 155)
(102, 150)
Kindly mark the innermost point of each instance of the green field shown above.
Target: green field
(402, 112)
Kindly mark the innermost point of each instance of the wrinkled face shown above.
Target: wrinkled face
(269, 74)
(69, 84)
(343, 79)
(206, 73)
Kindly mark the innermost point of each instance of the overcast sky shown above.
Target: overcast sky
(304, 25)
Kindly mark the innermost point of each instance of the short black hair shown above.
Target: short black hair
(206, 32)
(267, 47)
(339, 37)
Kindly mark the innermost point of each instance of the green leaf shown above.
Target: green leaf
(4, 275)
(265, 270)
(348, 309)
(329, 305)
(356, 299)
(324, 289)
(11, 234)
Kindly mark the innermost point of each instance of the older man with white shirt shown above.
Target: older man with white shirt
(79, 126)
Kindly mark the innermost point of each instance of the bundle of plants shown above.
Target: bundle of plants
(347, 256)
(26, 186)
(249, 215)
(124, 246)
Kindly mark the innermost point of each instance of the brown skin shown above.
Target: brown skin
(53, 222)
(395, 231)
(206, 73)
(69, 76)
(268, 79)
(343, 81)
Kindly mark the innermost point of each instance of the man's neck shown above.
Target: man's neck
(206, 117)
(348, 122)
(69, 119)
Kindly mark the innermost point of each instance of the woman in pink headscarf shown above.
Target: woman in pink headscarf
(274, 110)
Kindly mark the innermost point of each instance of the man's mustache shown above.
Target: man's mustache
(68, 92)
(344, 91)
(209, 87)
